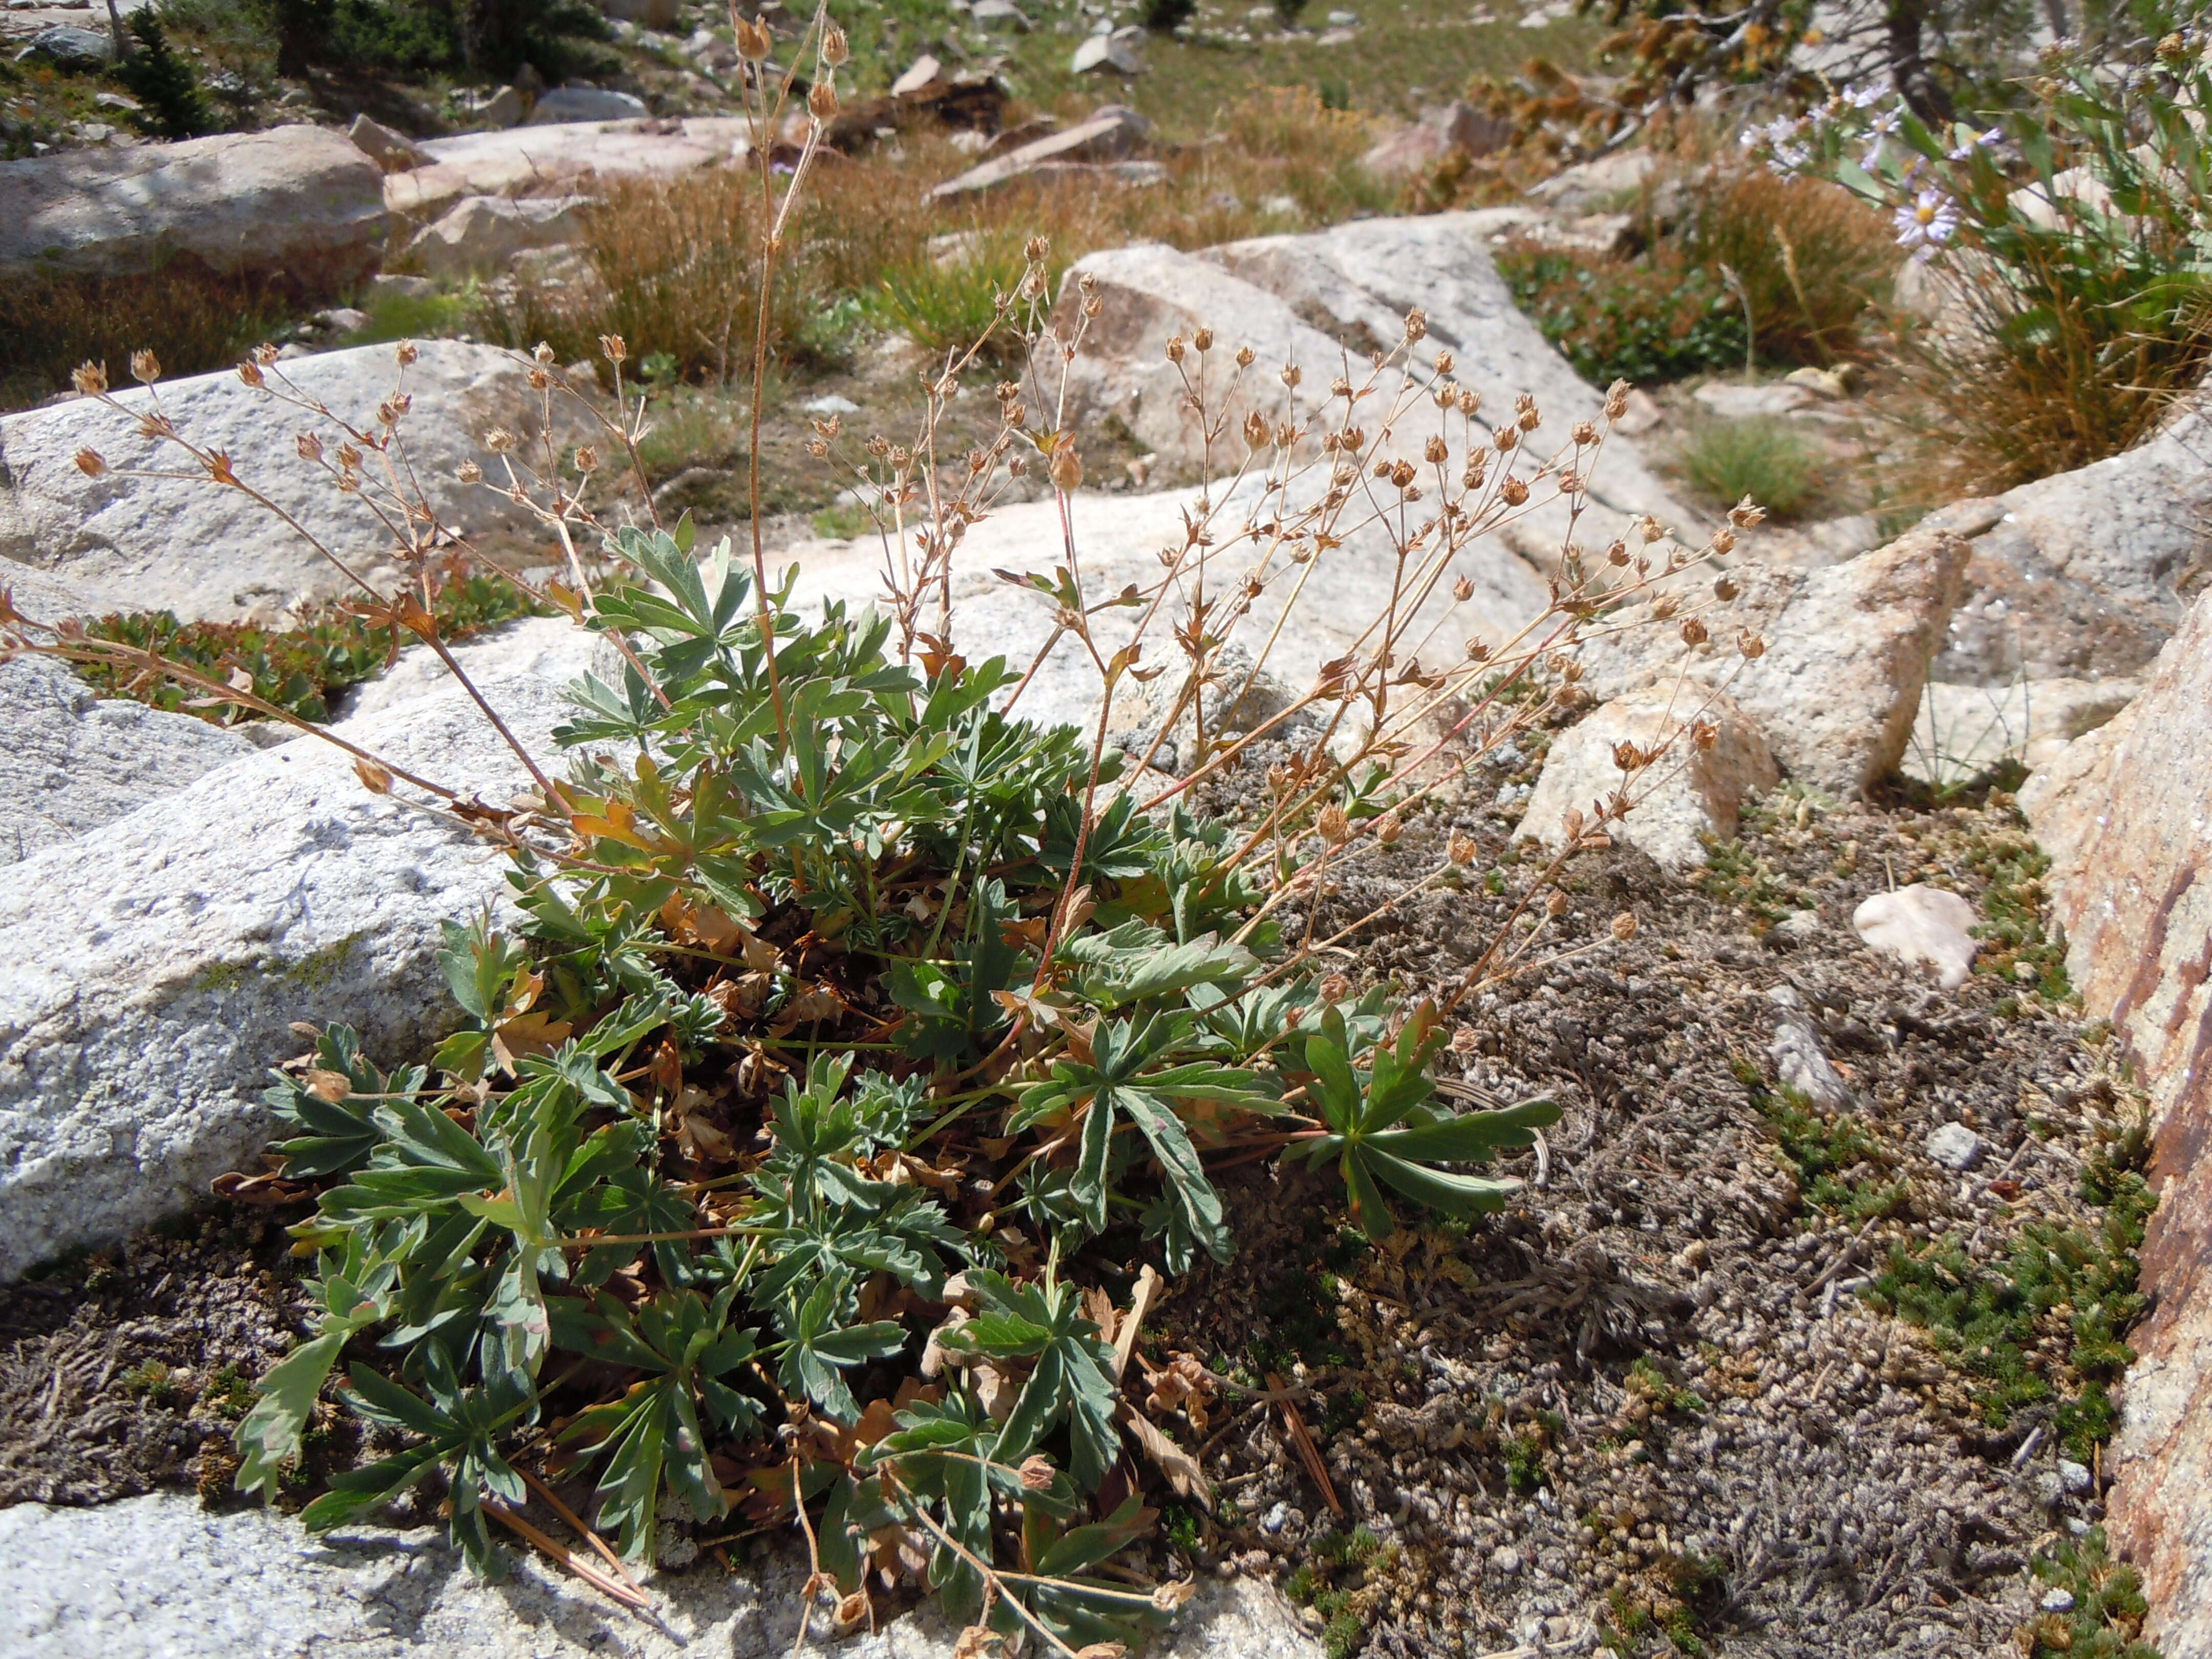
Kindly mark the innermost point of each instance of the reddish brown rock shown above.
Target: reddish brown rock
(2126, 815)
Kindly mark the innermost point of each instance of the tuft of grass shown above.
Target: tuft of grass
(1725, 461)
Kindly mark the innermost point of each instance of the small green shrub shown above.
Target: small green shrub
(162, 79)
(1657, 319)
(1726, 460)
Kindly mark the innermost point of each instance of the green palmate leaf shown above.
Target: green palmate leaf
(1361, 1115)
(354, 1291)
(1071, 1380)
(655, 1436)
(819, 1349)
(336, 1110)
(461, 1427)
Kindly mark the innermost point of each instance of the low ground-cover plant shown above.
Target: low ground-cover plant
(810, 1147)
(298, 669)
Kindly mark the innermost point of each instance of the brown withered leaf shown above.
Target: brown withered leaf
(534, 1033)
(817, 1002)
(1184, 1385)
(1180, 1467)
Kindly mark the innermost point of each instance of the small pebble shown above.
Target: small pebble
(1507, 1560)
(1275, 1519)
(2058, 1601)
(2079, 1481)
(1955, 1147)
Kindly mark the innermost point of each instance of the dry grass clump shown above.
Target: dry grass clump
(195, 319)
(671, 271)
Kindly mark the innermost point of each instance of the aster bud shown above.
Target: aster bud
(145, 367)
(89, 378)
(1437, 452)
(91, 462)
(1693, 631)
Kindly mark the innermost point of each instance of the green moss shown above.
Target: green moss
(153, 1382)
(230, 1393)
(1823, 1149)
(1988, 1319)
(2108, 1608)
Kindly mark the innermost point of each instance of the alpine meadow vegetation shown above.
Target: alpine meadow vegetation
(852, 1056)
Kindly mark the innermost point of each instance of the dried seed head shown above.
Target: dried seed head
(1624, 927)
(1092, 304)
(1335, 828)
(1036, 1473)
(539, 380)
(1571, 822)
(1627, 756)
(1571, 484)
(1202, 338)
(1388, 828)
(1334, 988)
(1280, 780)
(835, 48)
(1725, 540)
(1477, 469)
(1664, 606)
(753, 39)
(1246, 357)
(1745, 513)
(1693, 631)
(1066, 468)
(1724, 590)
(1417, 324)
(1291, 375)
(309, 446)
(1286, 436)
(1616, 400)
(499, 440)
(265, 353)
(1445, 360)
(1176, 348)
(1512, 489)
(89, 378)
(1036, 250)
(1616, 553)
(588, 459)
(1402, 473)
(1462, 848)
(145, 367)
(1583, 433)
(91, 462)
(1752, 645)
(1382, 469)
(1556, 904)
(1462, 589)
(1704, 734)
(250, 372)
(1256, 429)
(1650, 529)
(407, 353)
(822, 101)
(542, 353)
(1464, 1041)
(1470, 400)
(1437, 452)
(1505, 437)
(1477, 651)
(469, 472)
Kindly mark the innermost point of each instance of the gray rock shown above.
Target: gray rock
(391, 284)
(564, 156)
(160, 1578)
(585, 103)
(1001, 15)
(552, 649)
(301, 200)
(210, 553)
(1104, 51)
(831, 404)
(1955, 1147)
(73, 762)
(2081, 575)
(1800, 1061)
(1676, 804)
(1595, 187)
(2078, 1479)
(157, 964)
(1962, 731)
(1847, 649)
(481, 235)
(72, 48)
(394, 152)
(1109, 135)
(1752, 403)
(2056, 1600)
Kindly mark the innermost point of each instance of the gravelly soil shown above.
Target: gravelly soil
(1649, 1407)
(1646, 1407)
